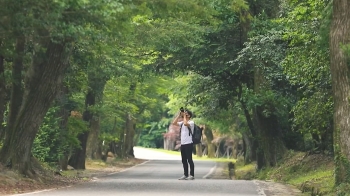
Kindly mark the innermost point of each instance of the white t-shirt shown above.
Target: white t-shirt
(185, 137)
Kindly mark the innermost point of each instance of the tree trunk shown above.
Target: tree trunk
(327, 140)
(270, 146)
(169, 144)
(64, 114)
(251, 126)
(247, 146)
(130, 126)
(113, 146)
(92, 148)
(269, 136)
(130, 134)
(77, 160)
(339, 38)
(97, 84)
(42, 82)
(199, 150)
(210, 137)
(17, 91)
(236, 147)
(2, 95)
(316, 141)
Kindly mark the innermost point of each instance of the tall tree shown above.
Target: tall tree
(53, 28)
(2, 92)
(339, 45)
(43, 80)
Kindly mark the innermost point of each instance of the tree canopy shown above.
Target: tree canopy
(84, 78)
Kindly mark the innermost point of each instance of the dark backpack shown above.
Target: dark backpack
(197, 134)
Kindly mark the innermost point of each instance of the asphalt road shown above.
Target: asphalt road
(158, 177)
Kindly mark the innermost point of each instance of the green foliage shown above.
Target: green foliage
(146, 103)
(307, 60)
(307, 66)
(68, 137)
(52, 142)
(343, 189)
(48, 139)
(312, 114)
(211, 49)
(152, 136)
(75, 127)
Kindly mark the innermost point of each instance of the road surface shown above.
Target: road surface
(158, 177)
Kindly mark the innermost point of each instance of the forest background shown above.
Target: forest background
(81, 78)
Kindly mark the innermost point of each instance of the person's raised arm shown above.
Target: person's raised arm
(176, 119)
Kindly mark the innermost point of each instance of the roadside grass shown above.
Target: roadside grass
(94, 167)
(49, 177)
(319, 182)
(312, 174)
(244, 172)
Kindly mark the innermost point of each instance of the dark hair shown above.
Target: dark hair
(189, 112)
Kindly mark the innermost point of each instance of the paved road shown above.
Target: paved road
(158, 177)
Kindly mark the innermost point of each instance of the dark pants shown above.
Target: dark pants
(186, 156)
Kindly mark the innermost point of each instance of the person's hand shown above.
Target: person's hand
(185, 114)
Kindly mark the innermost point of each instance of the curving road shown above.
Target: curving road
(158, 177)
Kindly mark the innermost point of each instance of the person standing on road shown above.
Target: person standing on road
(186, 125)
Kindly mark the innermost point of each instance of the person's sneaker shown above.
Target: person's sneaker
(183, 177)
(190, 178)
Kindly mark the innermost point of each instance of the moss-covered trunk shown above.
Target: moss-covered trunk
(339, 38)
(41, 85)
